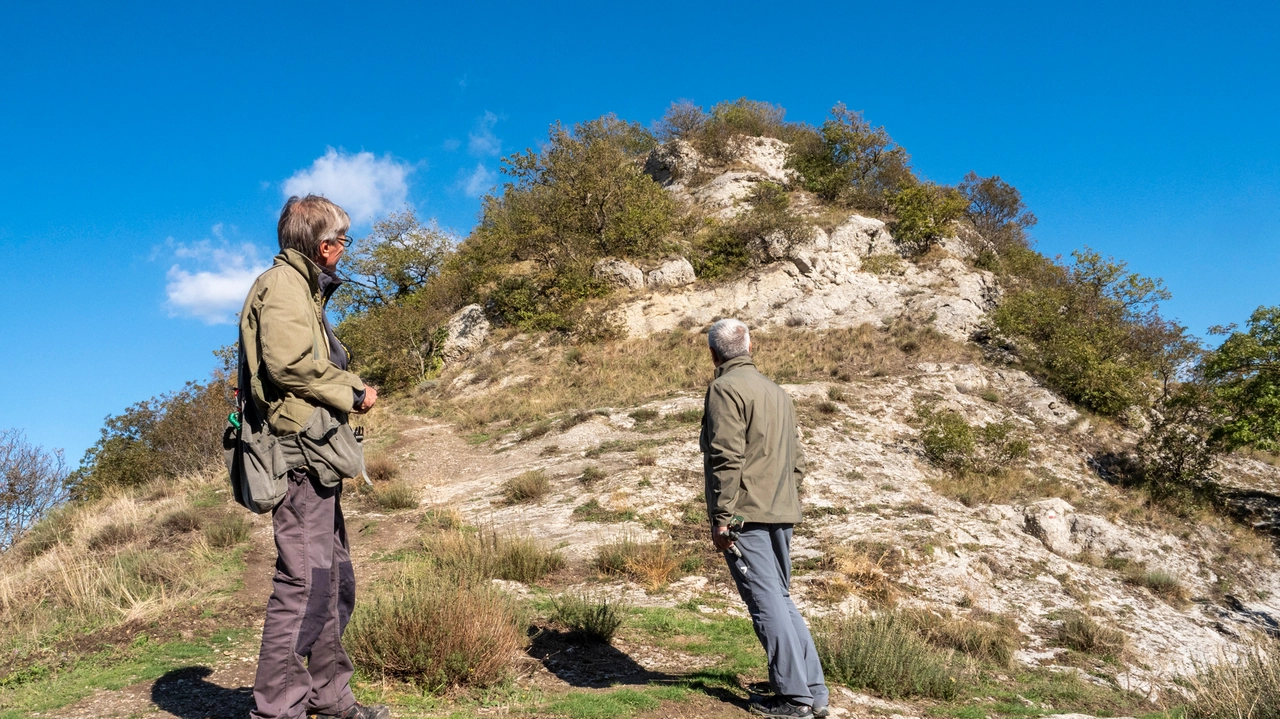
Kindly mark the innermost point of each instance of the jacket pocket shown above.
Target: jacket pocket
(331, 448)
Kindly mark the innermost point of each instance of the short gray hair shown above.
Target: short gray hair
(305, 222)
(729, 338)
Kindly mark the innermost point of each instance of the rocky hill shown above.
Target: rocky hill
(1064, 590)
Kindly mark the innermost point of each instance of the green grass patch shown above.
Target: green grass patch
(591, 511)
(613, 704)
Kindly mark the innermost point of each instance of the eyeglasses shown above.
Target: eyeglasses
(344, 240)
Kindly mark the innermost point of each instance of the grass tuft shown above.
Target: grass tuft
(1246, 686)
(1084, 634)
(651, 564)
(381, 468)
(591, 475)
(470, 557)
(882, 652)
(589, 617)
(227, 530)
(529, 486)
(181, 521)
(113, 535)
(395, 495)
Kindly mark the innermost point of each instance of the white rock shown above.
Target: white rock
(467, 331)
(618, 273)
(672, 273)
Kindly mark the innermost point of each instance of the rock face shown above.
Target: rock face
(467, 330)
(618, 273)
(672, 273)
(823, 285)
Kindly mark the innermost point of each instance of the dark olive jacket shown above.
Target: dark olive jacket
(752, 459)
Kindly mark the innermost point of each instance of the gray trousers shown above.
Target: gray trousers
(765, 586)
(302, 666)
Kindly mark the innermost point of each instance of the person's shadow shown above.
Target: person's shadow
(186, 694)
(582, 662)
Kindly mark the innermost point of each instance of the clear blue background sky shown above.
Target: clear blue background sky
(144, 144)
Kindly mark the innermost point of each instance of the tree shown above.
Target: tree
(398, 258)
(924, 214)
(1245, 375)
(32, 481)
(996, 209)
(851, 162)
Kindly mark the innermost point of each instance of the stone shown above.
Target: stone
(618, 273)
(672, 273)
(467, 330)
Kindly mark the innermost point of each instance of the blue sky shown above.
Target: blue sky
(147, 147)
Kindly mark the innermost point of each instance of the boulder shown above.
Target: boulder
(672, 273)
(466, 332)
(618, 273)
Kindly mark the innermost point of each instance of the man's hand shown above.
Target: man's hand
(720, 538)
(370, 396)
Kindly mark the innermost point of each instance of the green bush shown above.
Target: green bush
(882, 652)
(996, 210)
(952, 443)
(1091, 329)
(764, 233)
(1241, 373)
(424, 629)
(850, 162)
(923, 215)
(596, 619)
(716, 134)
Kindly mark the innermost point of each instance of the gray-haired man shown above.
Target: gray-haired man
(753, 465)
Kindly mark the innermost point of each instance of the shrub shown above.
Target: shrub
(850, 162)
(529, 486)
(952, 443)
(596, 619)
(882, 652)
(1238, 375)
(646, 457)
(1082, 633)
(884, 264)
(582, 197)
(398, 257)
(227, 530)
(651, 564)
(924, 215)
(717, 135)
(992, 638)
(395, 495)
(426, 630)
(1161, 583)
(469, 557)
(1246, 686)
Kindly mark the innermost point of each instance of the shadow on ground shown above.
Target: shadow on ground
(582, 662)
(186, 693)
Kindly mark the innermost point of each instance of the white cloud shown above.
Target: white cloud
(364, 185)
(478, 181)
(481, 141)
(214, 289)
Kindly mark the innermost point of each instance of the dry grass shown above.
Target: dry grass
(425, 629)
(113, 535)
(590, 475)
(1084, 634)
(1246, 686)
(1161, 583)
(381, 468)
(646, 457)
(883, 652)
(653, 565)
(394, 495)
(987, 637)
(227, 530)
(629, 373)
(187, 519)
(868, 569)
(529, 486)
(472, 557)
(595, 618)
(974, 489)
(442, 518)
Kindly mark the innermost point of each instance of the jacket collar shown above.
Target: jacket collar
(735, 363)
(309, 270)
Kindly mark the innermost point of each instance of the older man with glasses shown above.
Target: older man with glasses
(294, 364)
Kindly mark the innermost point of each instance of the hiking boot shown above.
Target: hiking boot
(780, 708)
(822, 712)
(359, 711)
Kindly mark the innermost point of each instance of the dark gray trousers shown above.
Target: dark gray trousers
(302, 666)
(765, 586)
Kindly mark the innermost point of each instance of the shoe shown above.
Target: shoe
(359, 711)
(822, 712)
(780, 708)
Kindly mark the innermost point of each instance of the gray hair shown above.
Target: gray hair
(305, 222)
(729, 338)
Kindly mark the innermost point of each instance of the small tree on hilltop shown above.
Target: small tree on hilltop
(851, 162)
(397, 259)
(1245, 375)
(924, 215)
(32, 481)
(996, 209)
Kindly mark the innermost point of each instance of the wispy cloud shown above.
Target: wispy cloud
(216, 277)
(481, 141)
(364, 185)
(478, 181)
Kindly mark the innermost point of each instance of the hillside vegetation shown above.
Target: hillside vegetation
(1029, 492)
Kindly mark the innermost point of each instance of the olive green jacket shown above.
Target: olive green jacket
(752, 459)
(285, 349)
